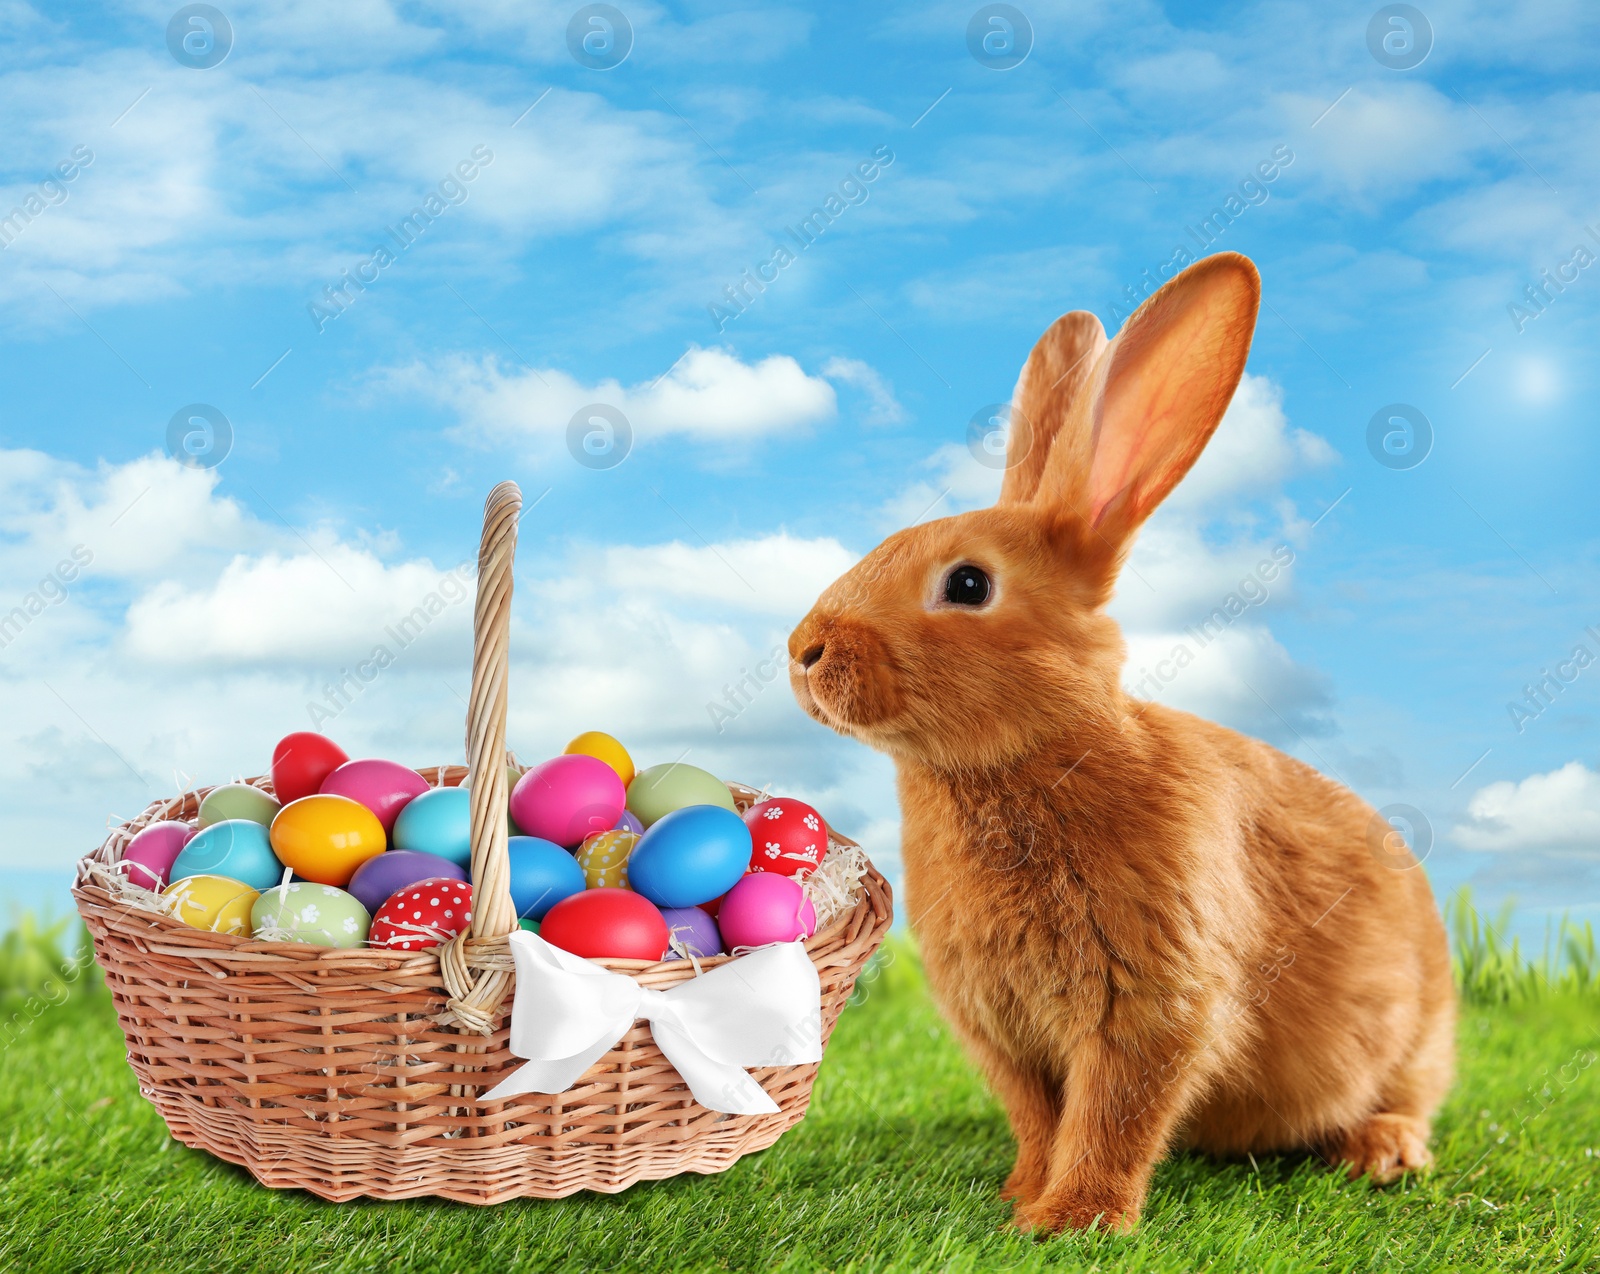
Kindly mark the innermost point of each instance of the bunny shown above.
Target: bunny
(1148, 930)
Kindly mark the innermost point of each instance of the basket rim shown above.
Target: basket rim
(207, 944)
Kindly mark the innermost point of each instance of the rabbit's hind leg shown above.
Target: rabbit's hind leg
(1385, 1147)
(1394, 1139)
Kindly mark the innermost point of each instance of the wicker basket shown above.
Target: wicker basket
(352, 1073)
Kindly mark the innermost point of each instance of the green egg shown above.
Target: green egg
(306, 912)
(663, 788)
(238, 800)
(532, 926)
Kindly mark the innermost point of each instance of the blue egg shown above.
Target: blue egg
(437, 822)
(690, 856)
(542, 874)
(236, 848)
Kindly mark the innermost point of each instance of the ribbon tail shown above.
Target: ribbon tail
(555, 1075)
(715, 1085)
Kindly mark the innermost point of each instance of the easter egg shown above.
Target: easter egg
(693, 930)
(542, 874)
(326, 837)
(301, 761)
(601, 924)
(307, 912)
(236, 848)
(437, 822)
(603, 747)
(237, 800)
(628, 821)
(212, 902)
(689, 856)
(152, 851)
(603, 859)
(663, 788)
(384, 787)
(532, 926)
(765, 907)
(789, 836)
(386, 874)
(566, 798)
(422, 915)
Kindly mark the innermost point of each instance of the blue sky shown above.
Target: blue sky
(186, 261)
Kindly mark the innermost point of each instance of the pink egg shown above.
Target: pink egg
(151, 853)
(567, 798)
(384, 787)
(765, 907)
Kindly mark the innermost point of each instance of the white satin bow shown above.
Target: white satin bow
(762, 1009)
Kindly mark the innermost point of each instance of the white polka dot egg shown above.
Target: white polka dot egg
(425, 914)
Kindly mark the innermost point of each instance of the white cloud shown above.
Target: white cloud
(1384, 140)
(266, 176)
(1207, 540)
(1241, 677)
(956, 482)
(1251, 454)
(709, 395)
(1555, 811)
(882, 406)
(313, 607)
(137, 518)
(776, 575)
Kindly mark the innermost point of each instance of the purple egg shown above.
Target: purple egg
(386, 874)
(151, 853)
(692, 929)
(629, 822)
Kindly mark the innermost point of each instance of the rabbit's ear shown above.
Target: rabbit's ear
(1052, 380)
(1158, 394)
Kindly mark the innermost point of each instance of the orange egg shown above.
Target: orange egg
(325, 837)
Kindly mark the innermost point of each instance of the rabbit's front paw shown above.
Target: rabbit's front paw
(1076, 1205)
(1385, 1147)
(1026, 1181)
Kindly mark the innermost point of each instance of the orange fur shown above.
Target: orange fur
(1149, 930)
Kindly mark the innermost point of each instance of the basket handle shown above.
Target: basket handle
(477, 987)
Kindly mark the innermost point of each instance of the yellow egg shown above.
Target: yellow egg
(604, 859)
(217, 903)
(604, 748)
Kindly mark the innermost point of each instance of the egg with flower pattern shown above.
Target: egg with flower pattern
(787, 837)
(305, 911)
(425, 914)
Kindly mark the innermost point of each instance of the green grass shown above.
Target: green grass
(1492, 970)
(896, 1167)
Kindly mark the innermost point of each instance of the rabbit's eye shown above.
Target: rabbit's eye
(966, 586)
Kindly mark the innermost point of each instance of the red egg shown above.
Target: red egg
(788, 837)
(384, 787)
(425, 914)
(301, 761)
(601, 924)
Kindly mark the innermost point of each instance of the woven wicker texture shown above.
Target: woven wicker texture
(353, 1073)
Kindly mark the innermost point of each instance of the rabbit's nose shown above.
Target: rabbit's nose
(810, 655)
